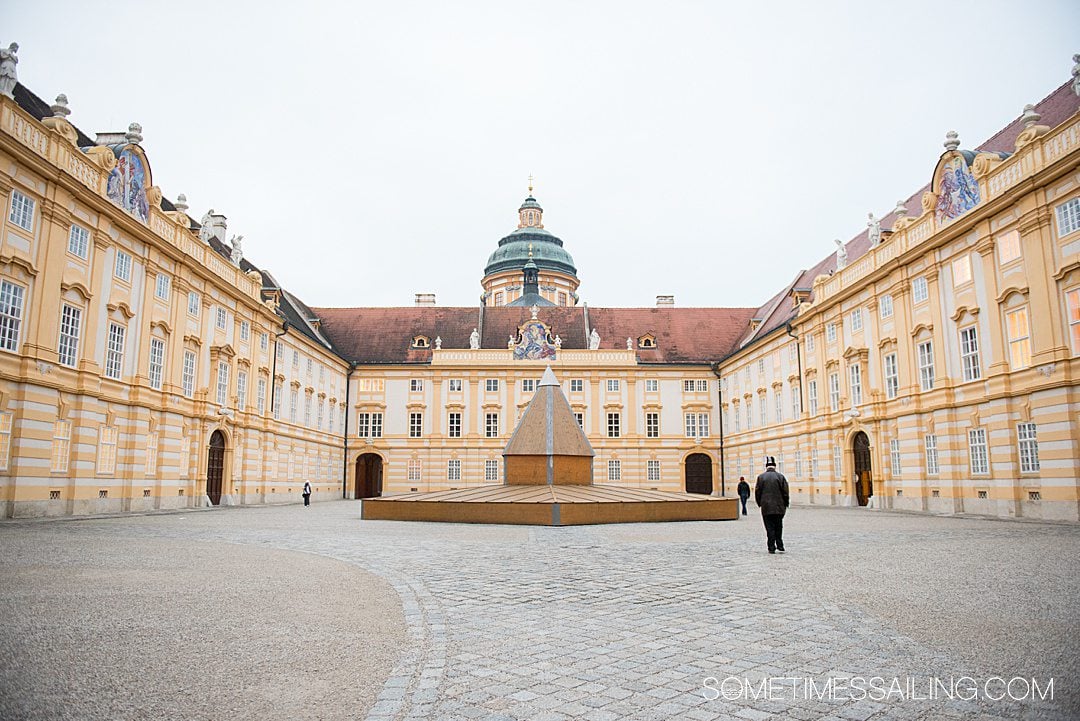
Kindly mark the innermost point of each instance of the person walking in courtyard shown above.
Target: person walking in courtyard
(744, 492)
(307, 493)
(771, 495)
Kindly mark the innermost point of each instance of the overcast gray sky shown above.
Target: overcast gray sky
(369, 151)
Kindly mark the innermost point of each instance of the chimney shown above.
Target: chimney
(218, 226)
(665, 300)
(425, 299)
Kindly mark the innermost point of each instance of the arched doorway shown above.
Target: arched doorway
(369, 476)
(698, 474)
(215, 467)
(864, 483)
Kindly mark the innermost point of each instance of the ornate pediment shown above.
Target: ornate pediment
(534, 341)
(955, 189)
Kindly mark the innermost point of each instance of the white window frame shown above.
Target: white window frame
(894, 455)
(830, 332)
(222, 394)
(416, 425)
(528, 385)
(194, 303)
(12, 303)
(107, 441)
(933, 467)
(491, 470)
(614, 425)
(856, 320)
(924, 352)
(491, 385)
(454, 385)
(978, 454)
(969, 353)
(70, 330)
(21, 213)
(188, 376)
(778, 403)
(834, 392)
(241, 390)
(453, 424)
(612, 385)
(245, 331)
(162, 286)
(652, 471)
(414, 470)
(1068, 217)
(576, 385)
(1008, 247)
(221, 320)
(1028, 446)
(79, 241)
(114, 351)
(885, 305)
(961, 270)
(491, 425)
(811, 396)
(60, 461)
(855, 384)
(920, 290)
(453, 469)
(1020, 344)
(122, 266)
(651, 385)
(156, 365)
(260, 399)
(891, 371)
(652, 424)
(416, 385)
(614, 469)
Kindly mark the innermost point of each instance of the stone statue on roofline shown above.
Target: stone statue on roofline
(438, 342)
(205, 231)
(594, 340)
(874, 232)
(629, 343)
(474, 340)
(1075, 72)
(558, 341)
(8, 75)
(237, 251)
(841, 255)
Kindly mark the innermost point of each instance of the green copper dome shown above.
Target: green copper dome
(547, 250)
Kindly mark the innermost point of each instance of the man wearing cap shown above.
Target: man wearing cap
(771, 494)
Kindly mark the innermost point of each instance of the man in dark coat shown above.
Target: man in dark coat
(744, 492)
(771, 494)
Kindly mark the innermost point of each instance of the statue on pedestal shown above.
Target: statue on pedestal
(8, 75)
(594, 340)
(841, 255)
(474, 340)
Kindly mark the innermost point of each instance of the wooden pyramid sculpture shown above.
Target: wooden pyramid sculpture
(548, 446)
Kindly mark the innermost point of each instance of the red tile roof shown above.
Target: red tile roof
(384, 335)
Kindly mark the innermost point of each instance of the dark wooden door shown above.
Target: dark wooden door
(864, 483)
(369, 476)
(215, 467)
(699, 474)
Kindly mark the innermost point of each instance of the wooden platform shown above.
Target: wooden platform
(552, 505)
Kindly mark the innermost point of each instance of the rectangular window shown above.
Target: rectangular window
(1029, 447)
(453, 425)
(79, 241)
(193, 303)
(11, 310)
(1068, 216)
(413, 470)
(22, 211)
(613, 385)
(651, 385)
(919, 290)
(260, 399)
(222, 318)
(241, 391)
(330, 416)
(454, 385)
(264, 342)
(114, 353)
(107, 450)
(837, 461)
(162, 286)
(528, 385)
(763, 417)
(653, 471)
(222, 382)
(980, 462)
(307, 410)
(961, 270)
(749, 414)
(614, 427)
(453, 470)
(855, 384)
(697, 425)
(369, 425)
(294, 404)
(151, 455)
(811, 396)
(188, 376)
(157, 362)
(892, 376)
(761, 366)
(416, 425)
(796, 402)
(894, 455)
(563, 298)
(310, 365)
(930, 444)
(798, 464)
(830, 332)
(1016, 322)
(652, 425)
(245, 331)
(1008, 247)
(61, 447)
(969, 354)
(576, 385)
(491, 425)
(491, 385)
(813, 462)
(122, 269)
(70, 328)
(279, 351)
(614, 470)
(926, 365)
(856, 319)
(810, 343)
(778, 410)
(296, 360)
(886, 306)
(688, 386)
(580, 418)
(276, 405)
(737, 417)
(491, 470)
(416, 385)
(1072, 301)
(834, 392)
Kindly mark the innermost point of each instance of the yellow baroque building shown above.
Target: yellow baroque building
(145, 363)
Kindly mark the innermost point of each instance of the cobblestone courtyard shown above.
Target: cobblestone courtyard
(287, 612)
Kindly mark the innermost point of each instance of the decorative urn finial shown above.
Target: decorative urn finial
(952, 140)
(134, 134)
(60, 108)
(1030, 117)
(181, 203)
(900, 210)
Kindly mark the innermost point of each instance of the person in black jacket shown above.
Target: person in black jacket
(771, 495)
(744, 492)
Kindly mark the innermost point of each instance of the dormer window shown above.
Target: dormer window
(421, 341)
(647, 341)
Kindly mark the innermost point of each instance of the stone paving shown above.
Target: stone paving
(628, 622)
